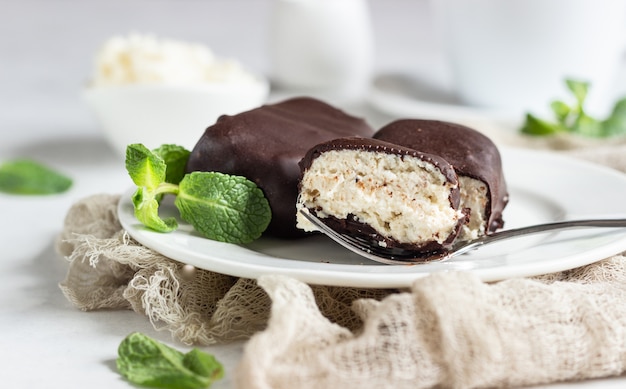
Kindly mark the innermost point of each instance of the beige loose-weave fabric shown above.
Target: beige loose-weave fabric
(446, 330)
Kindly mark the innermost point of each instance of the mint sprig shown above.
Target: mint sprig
(29, 177)
(219, 206)
(147, 170)
(572, 118)
(147, 362)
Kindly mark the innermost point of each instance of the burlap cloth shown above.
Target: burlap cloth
(447, 330)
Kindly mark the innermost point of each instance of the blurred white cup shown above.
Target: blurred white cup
(515, 54)
(323, 46)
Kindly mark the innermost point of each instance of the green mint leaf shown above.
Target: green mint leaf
(579, 89)
(175, 158)
(203, 364)
(575, 120)
(28, 177)
(148, 171)
(223, 207)
(615, 124)
(587, 126)
(537, 126)
(619, 110)
(561, 110)
(144, 167)
(147, 211)
(147, 362)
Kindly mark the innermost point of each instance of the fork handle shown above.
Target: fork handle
(534, 229)
(567, 224)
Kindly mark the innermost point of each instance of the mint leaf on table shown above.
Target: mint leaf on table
(29, 177)
(615, 124)
(223, 207)
(573, 118)
(537, 126)
(203, 364)
(579, 89)
(145, 361)
(588, 126)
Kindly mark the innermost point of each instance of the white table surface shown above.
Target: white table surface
(46, 53)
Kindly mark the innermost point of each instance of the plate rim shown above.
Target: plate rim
(332, 274)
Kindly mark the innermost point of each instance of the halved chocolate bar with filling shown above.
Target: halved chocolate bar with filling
(475, 159)
(392, 195)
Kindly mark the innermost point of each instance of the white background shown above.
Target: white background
(46, 54)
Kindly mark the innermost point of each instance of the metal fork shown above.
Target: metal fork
(396, 256)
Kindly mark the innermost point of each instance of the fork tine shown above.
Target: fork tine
(337, 237)
(360, 246)
(374, 247)
(372, 250)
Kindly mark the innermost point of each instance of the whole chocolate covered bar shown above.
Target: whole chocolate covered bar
(475, 158)
(392, 195)
(265, 145)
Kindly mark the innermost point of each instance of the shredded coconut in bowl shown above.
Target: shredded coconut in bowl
(146, 59)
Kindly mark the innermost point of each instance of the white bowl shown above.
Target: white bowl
(158, 114)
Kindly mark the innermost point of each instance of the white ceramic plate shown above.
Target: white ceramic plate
(543, 187)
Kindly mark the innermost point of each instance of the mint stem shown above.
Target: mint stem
(166, 188)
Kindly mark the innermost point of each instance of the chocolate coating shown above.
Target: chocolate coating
(471, 153)
(265, 145)
(381, 146)
(352, 226)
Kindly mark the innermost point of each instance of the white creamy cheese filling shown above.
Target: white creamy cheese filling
(474, 197)
(401, 197)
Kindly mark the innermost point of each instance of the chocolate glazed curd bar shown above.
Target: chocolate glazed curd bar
(265, 145)
(394, 196)
(475, 159)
